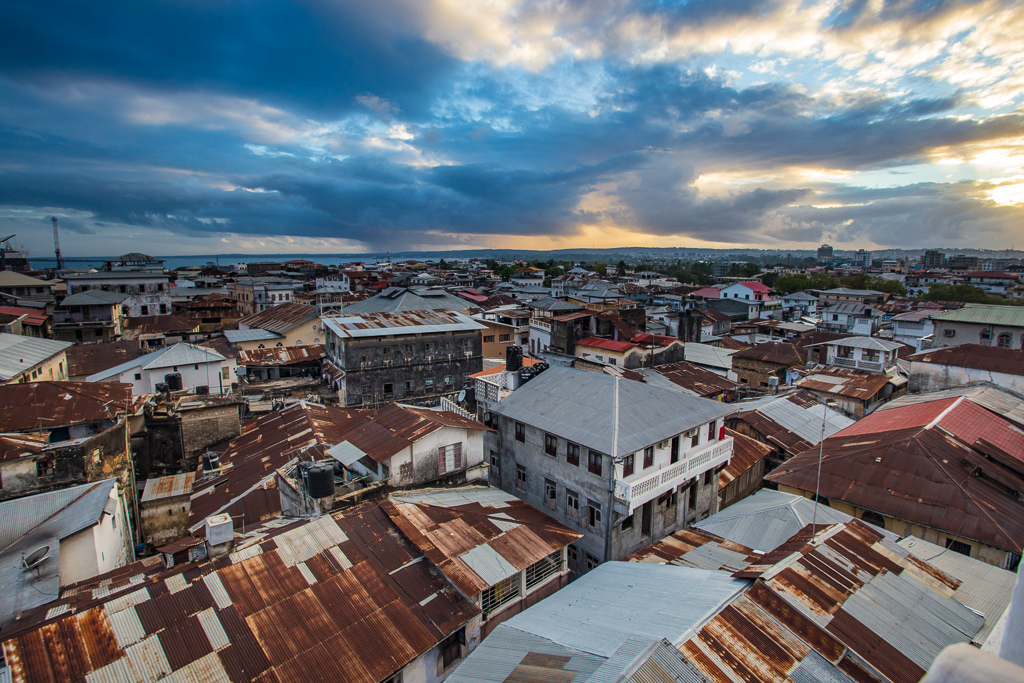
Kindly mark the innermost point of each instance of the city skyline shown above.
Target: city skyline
(198, 128)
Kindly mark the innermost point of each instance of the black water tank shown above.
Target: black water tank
(319, 480)
(513, 357)
(173, 381)
(161, 387)
(525, 375)
(211, 461)
(202, 390)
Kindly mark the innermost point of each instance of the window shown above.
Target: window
(594, 514)
(551, 444)
(143, 310)
(488, 338)
(572, 453)
(958, 547)
(572, 504)
(550, 493)
(500, 593)
(504, 337)
(695, 437)
(496, 463)
(449, 458)
(627, 523)
(592, 561)
(707, 478)
(872, 517)
(138, 376)
(572, 554)
(648, 457)
(521, 476)
(674, 458)
(594, 462)
(447, 380)
(692, 503)
(224, 373)
(520, 432)
(539, 571)
(451, 648)
(389, 388)
(628, 465)
(195, 367)
(1005, 341)
(711, 431)
(428, 383)
(44, 468)
(949, 333)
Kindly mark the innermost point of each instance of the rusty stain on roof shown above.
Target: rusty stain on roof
(282, 355)
(975, 356)
(281, 318)
(515, 530)
(46, 405)
(311, 602)
(700, 380)
(746, 453)
(168, 487)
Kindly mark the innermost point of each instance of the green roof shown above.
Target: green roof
(1007, 316)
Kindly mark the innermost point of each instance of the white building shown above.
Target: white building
(149, 292)
(52, 540)
(198, 366)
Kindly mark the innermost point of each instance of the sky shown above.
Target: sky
(207, 126)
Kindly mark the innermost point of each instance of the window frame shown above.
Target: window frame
(520, 432)
(572, 453)
(550, 444)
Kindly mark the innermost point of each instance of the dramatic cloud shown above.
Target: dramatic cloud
(213, 126)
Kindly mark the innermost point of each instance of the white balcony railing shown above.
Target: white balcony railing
(643, 488)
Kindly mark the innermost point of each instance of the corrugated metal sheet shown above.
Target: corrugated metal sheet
(281, 318)
(168, 487)
(366, 325)
(577, 405)
(18, 353)
(256, 619)
(280, 356)
(26, 407)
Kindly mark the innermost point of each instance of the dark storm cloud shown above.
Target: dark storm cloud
(313, 57)
(206, 118)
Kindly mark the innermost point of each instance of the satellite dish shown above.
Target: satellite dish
(36, 558)
(462, 396)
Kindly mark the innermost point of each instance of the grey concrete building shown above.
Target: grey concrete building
(416, 357)
(623, 462)
(1001, 326)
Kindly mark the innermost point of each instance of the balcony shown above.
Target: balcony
(869, 365)
(634, 493)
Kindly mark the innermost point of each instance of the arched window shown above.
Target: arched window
(874, 518)
(1005, 340)
(280, 344)
(260, 346)
(298, 342)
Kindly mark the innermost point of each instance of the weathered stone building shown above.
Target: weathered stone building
(414, 357)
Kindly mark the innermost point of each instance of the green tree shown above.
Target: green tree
(600, 269)
(963, 293)
(621, 268)
(554, 271)
(506, 273)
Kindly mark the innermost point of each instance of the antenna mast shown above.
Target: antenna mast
(56, 245)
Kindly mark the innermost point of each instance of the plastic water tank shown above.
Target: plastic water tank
(211, 461)
(319, 480)
(513, 358)
(174, 381)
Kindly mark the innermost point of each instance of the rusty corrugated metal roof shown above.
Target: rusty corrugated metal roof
(450, 532)
(282, 355)
(695, 378)
(310, 603)
(281, 318)
(168, 487)
(46, 405)
(746, 453)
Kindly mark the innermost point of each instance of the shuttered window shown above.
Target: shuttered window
(449, 458)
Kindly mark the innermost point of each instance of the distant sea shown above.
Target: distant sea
(227, 260)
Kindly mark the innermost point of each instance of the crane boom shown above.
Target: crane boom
(56, 245)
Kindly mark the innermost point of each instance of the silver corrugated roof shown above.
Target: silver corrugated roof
(581, 406)
(18, 353)
(603, 609)
(388, 324)
(488, 564)
(93, 297)
(804, 422)
(705, 354)
(985, 588)
(767, 519)
(42, 520)
(494, 660)
(860, 343)
(252, 334)
(400, 300)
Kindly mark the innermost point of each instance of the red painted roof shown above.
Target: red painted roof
(32, 316)
(707, 293)
(915, 415)
(960, 417)
(998, 276)
(608, 344)
(757, 287)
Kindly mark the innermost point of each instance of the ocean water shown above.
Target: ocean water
(226, 260)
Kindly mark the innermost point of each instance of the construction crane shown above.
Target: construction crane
(56, 245)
